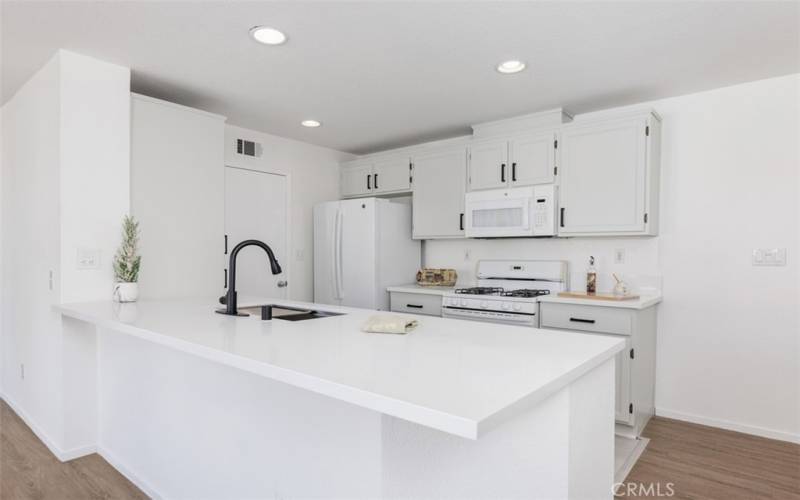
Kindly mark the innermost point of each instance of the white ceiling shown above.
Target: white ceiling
(384, 74)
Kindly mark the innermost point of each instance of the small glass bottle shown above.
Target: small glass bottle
(591, 277)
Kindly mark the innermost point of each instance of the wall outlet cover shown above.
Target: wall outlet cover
(88, 258)
(619, 256)
(769, 257)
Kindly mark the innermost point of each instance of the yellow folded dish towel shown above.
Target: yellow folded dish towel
(389, 323)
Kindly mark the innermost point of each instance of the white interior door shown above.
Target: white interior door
(256, 209)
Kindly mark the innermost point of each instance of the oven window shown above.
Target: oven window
(497, 217)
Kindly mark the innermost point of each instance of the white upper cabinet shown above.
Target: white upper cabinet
(356, 179)
(609, 177)
(532, 158)
(375, 176)
(439, 185)
(521, 160)
(488, 164)
(391, 174)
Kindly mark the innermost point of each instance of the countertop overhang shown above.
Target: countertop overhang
(460, 377)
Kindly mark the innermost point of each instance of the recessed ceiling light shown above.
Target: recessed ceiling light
(510, 66)
(267, 36)
(310, 123)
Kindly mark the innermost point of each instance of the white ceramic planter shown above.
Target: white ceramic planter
(126, 292)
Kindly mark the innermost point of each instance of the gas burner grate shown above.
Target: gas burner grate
(480, 290)
(525, 293)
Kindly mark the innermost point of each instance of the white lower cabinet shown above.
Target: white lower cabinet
(416, 303)
(635, 365)
(439, 185)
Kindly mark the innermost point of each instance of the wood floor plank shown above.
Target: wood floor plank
(706, 463)
(700, 463)
(28, 471)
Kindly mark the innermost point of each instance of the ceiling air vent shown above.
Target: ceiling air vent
(248, 148)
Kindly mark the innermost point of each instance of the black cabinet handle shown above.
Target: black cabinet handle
(461, 222)
(514, 172)
(562, 216)
(375, 180)
(369, 186)
(414, 306)
(502, 172)
(581, 320)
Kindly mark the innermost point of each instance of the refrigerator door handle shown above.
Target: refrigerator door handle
(338, 255)
(332, 253)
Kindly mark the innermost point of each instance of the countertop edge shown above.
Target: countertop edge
(548, 390)
(435, 419)
(423, 290)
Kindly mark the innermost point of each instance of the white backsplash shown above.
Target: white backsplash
(639, 269)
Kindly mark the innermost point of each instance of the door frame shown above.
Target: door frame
(287, 266)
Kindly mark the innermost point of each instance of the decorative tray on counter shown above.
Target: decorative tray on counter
(596, 296)
(436, 277)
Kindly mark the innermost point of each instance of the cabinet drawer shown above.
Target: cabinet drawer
(416, 303)
(586, 318)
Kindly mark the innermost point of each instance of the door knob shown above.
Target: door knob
(282, 284)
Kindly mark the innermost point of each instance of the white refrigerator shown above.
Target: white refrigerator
(362, 246)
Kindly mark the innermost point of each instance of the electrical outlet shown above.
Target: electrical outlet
(467, 254)
(299, 255)
(619, 256)
(769, 257)
(88, 258)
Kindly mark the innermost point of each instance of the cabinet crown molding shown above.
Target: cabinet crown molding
(553, 118)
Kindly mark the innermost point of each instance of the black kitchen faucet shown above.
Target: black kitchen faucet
(229, 299)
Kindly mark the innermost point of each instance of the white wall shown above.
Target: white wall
(65, 186)
(313, 178)
(177, 195)
(728, 352)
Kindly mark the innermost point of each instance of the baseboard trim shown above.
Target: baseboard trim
(62, 455)
(126, 471)
(730, 426)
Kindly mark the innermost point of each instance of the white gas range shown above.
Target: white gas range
(507, 291)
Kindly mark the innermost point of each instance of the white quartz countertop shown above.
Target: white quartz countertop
(460, 377)
(426, 290)
(643, 302)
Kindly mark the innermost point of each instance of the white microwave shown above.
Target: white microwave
(508, 213)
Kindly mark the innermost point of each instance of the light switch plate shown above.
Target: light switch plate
(88, 258)
(769, 257)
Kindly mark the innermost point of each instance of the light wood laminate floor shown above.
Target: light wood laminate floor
(698, 462)
(708, 463)
(29, 471)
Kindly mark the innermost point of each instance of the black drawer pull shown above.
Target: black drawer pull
(581, 320)
(414, 306)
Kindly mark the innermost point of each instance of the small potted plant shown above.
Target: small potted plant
(126, 263)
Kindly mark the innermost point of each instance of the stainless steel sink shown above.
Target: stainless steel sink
(289, 313)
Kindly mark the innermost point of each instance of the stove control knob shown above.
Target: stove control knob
(517, 307)
(485, 305)
(506, 306)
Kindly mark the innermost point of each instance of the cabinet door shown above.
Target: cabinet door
(532, 158)
(603, 169)
(622, 406)
(356, 179)
(391, 174)
(488, 165)
(438, 194)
